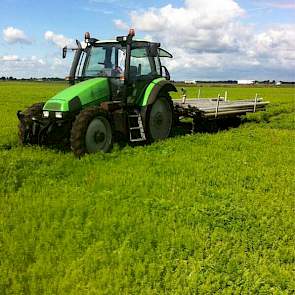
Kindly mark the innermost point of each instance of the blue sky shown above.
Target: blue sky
(210, 39)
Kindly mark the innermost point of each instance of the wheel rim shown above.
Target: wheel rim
(160, 119)
(98, 135)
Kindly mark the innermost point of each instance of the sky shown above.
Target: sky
(209, 39)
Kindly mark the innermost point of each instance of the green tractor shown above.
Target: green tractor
(119, 88)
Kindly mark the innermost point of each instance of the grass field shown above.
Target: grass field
(195, 214)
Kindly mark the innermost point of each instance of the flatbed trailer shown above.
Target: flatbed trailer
(213, 108)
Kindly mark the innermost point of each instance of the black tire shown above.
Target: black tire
(159, 119)
(25, 132)
(91, 132)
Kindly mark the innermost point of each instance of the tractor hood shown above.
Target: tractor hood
(80, 95)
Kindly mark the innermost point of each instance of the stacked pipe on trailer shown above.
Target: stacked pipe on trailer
(217, 107)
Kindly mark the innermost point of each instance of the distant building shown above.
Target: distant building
(190, 82)
(246, 82)
(278, 83)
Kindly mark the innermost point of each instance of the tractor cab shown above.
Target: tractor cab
(129, 65)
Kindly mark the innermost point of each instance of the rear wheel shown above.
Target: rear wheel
(91, 132)
(25, 127)
(159, 119)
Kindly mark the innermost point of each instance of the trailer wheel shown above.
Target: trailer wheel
(25, 126)
(159, 119)
(91, 132)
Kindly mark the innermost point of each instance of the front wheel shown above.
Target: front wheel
(159, 119)
(91, 132)
(25, 126)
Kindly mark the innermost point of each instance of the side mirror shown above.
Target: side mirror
(64, 52)
(167, 74)
(153, 49)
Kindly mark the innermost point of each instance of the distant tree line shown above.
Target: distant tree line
(7, 78)
(44, 79)
(3, 78)
(267, 82)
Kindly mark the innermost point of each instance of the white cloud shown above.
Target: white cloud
(36, 66)
(283, 4)
(37, 60)
(58, 39)
(13, 35)
(208, 38)
(121, 25)
(9, 58)
(98, 10)
(32, 66)
(22, 67)
(196, 14)
(14, 59)
(277, 46)
(59, 63)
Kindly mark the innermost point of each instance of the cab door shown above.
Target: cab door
(143, 70)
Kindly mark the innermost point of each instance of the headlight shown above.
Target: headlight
(45, 114)
(58, 115)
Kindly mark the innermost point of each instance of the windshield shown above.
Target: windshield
(105, 60)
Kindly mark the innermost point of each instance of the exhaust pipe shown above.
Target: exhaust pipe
(75, 63)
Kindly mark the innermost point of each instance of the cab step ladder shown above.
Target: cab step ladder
(136, 130)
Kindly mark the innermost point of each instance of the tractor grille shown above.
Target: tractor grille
(53, 106)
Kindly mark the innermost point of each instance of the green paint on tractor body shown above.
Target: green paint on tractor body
(90, 92)
(144, 100)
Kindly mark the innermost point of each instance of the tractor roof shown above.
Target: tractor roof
(115, 41)
(163, 53)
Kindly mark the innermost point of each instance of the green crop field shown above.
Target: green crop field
(195, 214)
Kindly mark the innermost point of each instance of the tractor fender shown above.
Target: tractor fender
(153, 90)
(160, 87)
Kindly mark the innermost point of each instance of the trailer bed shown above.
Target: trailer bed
(217, 107)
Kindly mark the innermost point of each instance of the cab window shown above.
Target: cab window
(140, 63)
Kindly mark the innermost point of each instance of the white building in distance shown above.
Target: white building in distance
(190, 82)
(246, 82)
